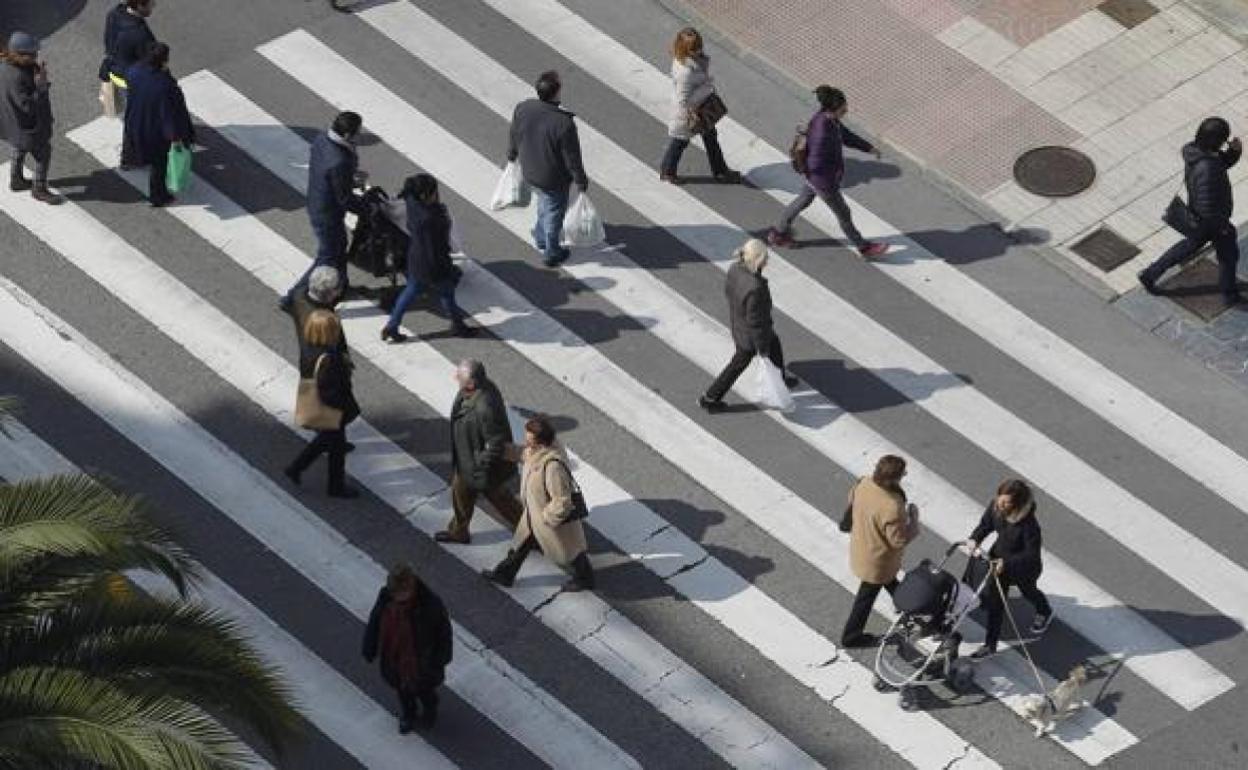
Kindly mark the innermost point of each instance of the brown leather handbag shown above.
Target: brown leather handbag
(310, 411)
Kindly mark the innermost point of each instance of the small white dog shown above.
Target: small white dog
(1046, 711)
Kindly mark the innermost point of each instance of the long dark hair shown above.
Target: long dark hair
(421, 187)
(1019, 493)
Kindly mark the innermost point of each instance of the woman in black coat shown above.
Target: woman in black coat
(156, 118)
(411, 632)
(1014, 557)
(428, 257)
(26, 115)
(321, 356)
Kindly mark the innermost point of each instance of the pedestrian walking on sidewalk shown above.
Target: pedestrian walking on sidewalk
(156, 118)
(26, 115)
(749, 315)
(826, 139)
(480, 434)
(546, 491)
(1014, 558)
(409, 630)
(692, 86)
(429, 262)
(333, 173)
(321, 360)
(1210, 203)
(883, 525)
(127, 40)
(543, 137)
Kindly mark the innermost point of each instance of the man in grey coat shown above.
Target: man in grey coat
(479, 435)
(543, 137)
(749, 312)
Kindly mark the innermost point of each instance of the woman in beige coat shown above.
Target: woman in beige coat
(546, 491)
(692, 84)
(883, 525)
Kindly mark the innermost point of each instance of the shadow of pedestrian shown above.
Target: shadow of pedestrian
(39, 17)
(963, 247)
(856, 390)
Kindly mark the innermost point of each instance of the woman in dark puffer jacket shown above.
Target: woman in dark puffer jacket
(1014, 557)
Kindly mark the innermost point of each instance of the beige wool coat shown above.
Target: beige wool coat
(546, 492)
(881, 531)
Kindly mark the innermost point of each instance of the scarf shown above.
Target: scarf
(398, 643)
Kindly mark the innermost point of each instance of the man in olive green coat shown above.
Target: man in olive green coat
(479, 436)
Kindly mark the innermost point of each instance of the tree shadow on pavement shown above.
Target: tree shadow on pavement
(38, 17)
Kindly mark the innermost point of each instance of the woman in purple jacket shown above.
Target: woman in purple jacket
(826, 138)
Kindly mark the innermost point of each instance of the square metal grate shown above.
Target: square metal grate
(1128, 13)
(1105, 249)
(1195, 287)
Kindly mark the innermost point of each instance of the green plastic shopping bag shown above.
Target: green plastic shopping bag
(178, 171)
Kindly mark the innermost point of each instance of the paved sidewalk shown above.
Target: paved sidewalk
(966, 86)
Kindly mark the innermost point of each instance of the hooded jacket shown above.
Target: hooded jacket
(1208, 184)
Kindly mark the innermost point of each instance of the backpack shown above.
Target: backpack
(798, 150)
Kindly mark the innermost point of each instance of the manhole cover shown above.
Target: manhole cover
(1054, 172)
(1105, 249)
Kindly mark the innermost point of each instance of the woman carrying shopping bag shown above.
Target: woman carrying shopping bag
(749, 312)
(550, 515)
(695, 109)
(156, 119)
(325, 402)
(428, 257)
(1014, 557)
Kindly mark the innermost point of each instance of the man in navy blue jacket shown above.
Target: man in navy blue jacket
(332, 169)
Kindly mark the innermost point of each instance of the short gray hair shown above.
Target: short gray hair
(473, 370)
(323, 284)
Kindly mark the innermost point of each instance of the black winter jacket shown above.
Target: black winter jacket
(127, 39)
(1018, 542)
(479, 433)
(432, 627)
(333, 381)
(25, 109)
(331, 181)
(1208, 185)
(543, 136)
(429, 243)
(749, 309)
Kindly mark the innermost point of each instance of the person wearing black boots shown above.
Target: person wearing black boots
(321, 358)
(410, 630)
(546, 489)
(26, 115)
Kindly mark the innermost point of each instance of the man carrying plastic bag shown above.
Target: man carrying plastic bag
(543, 137)
(511, 189)
(581, 225)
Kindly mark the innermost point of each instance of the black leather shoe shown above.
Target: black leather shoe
(1147, 283)
(712, 407)
(790, 381)
(393, 335)
(500, 576)
(292, 474)
(860, 641)
(446, 536)
(345, 492)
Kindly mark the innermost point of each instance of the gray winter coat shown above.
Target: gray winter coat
(691, 85)
(749, 309)
(543, 136)
(1208, 184)
(25, 109)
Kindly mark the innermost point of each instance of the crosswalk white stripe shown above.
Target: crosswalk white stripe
(946, 288)
(501, 693)
(570, 360)
(780, 636)
(324, 697)
(689, 700)
(1067, 478)
(1100, 617)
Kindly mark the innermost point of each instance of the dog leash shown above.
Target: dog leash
(1026, 653)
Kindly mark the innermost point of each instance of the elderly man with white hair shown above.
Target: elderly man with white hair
(480, 434)
(321, 293)
(749, 312)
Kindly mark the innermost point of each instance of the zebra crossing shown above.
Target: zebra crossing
(689, 690)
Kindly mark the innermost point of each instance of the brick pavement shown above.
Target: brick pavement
(965, 86)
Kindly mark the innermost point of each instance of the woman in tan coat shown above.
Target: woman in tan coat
(546, 491)
(883, 525)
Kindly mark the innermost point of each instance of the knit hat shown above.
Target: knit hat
(23, 42)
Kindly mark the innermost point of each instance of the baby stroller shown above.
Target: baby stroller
(379, 241)
(920, 649)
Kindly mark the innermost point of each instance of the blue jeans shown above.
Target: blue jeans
(331, 249)
(413, 289)
(551, 206)
(1225, 245)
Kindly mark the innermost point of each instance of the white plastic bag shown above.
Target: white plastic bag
(511, 189)
(772, 392)
(581, 224)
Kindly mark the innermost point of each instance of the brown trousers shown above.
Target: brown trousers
(464, 500)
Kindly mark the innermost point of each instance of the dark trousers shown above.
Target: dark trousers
(42, 156)
(996, 607)
(331, 249)
(676, 148)
(333, 442)
(425, 697)
(157, 192)
(864, 600)
(836, 202)
(464, 501)
(1224, 243)
(740, 361)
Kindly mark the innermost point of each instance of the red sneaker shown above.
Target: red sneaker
(874, 249)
